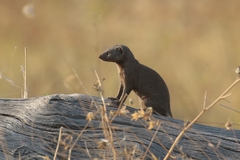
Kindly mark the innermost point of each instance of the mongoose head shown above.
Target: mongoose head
(118, 54)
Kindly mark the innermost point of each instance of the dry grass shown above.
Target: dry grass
(108, 129)
(194, 46)
(224, 95)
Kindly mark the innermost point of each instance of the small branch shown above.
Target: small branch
(105, 119)
(119, 107)
(230, 108)
(222, 96)
(25, 93)
(238, 71)
(205, 99)
(59, 140)
(151, 141)
(75, 142)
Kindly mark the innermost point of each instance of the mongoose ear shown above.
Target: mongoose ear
(120, 49)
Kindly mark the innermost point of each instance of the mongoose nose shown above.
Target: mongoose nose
(100, 56)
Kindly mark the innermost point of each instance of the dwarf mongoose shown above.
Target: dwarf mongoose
(144, 81)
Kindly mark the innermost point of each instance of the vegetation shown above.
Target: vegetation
(193, 45)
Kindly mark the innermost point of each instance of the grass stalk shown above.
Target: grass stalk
(25, 93)
(105, 119)
(222, 96)
(59, 140)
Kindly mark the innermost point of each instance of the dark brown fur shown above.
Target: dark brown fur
(144, 81)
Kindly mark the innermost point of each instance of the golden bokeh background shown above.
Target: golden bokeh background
(193, 45)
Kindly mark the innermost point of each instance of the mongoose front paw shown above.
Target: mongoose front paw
(112, 98)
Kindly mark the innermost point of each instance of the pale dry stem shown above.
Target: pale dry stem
(59, 140)
(222, 96)
(151, 141)
(25, 93)
(105, 120)
(119, 107)
(79, 135)
(4, 149)
(205, 99)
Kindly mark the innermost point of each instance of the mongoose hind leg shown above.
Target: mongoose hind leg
(157, 108)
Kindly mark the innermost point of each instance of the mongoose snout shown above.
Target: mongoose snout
(108, 55)
(144, 81)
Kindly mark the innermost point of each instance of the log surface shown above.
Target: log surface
(29, 129)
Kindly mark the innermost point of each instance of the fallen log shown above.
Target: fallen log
(30, 129)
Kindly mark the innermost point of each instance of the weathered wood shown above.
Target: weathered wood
(29, 129)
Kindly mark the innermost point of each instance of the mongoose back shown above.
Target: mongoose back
(144, 81)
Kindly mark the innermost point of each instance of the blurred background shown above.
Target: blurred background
(193, 45)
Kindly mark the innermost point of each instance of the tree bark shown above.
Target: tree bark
(29, 129)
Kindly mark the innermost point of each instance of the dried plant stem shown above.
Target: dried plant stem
(222, 96)
(105, 120)
(119, 107)
(25, 93)
(59, 140)
(4, 149)
(205, 100)
(230, 108)
(75, 142)
(151, 141)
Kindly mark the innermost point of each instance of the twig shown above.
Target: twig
(79, 135)
(205, 99)
(222, 96)
(119, 107)
(14, 51)
(105, 119)
(230, 108)
(25, 93)
(87, 150)
(59, 140)
(151, 141)
(238, 71)
(11, 82)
